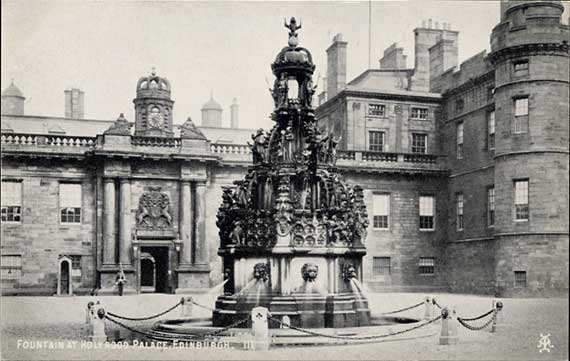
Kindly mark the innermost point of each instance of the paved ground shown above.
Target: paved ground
(26, 319)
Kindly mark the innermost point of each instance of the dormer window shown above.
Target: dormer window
(377, 110)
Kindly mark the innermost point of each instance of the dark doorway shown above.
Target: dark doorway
(64, 277)
(154, 270)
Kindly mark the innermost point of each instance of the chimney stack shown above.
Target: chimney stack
(336, 66)
(74, 108)
(234, 114)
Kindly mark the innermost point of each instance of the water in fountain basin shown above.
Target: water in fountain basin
(217, 289)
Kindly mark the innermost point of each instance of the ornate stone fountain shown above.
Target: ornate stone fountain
(292, 232)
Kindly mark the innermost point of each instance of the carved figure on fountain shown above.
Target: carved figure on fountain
(261, 271)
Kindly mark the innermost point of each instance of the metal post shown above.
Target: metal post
(98, 321)
(428, 314)
(448, 327)
(260, 328)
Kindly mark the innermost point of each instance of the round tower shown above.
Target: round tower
(529, 49)
(153, 107)
(212, 113)
(12, 100)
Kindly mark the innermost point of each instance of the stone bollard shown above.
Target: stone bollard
(428, 314)
(260, 328)
(98, 323)
(448, 327)
(286, 320)
(186, 307)
(498, 321)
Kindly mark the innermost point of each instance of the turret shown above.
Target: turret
(12, 100)
(153, 107)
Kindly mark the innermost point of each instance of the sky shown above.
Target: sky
(224, 48)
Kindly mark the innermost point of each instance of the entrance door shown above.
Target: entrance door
(154, 274)
(64, 280)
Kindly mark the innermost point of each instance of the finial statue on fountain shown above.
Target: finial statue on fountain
(293, 27)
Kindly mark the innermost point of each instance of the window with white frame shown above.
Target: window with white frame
(376, 141)
(381, 209)
(419, 113)
(11, 201)
(459, 211)
(427, 265)
(491, 206)
(70, 202)
(459, 138)
(11, 266)
(521, 200)
(378, 110)
(491, 131)
(381, 266)
(419, 143)
(521, 115)
(427, 212)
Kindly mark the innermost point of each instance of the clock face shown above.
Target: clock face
(155, 119)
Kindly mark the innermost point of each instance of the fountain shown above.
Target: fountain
(291, 232)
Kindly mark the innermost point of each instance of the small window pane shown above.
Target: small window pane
(491, 206)
(520, 278)
(376, 141)
(11, 266)
(459, 211)
(521, 200)
(11, 201)
(70, 202)
(377, 109)
(381, 266)
(381, 209)
(427, 265)
(521, 68)
(459, 138)
(491, 130)
(419, 143)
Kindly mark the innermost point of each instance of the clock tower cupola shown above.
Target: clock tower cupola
(153, 107)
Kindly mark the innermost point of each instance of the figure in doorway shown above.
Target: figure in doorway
(120, 280)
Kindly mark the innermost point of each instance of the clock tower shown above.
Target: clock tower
(153, 107)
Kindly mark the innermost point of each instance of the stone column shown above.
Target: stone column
(125, 221)
(109, 231)
(201, 250)
(185, 225)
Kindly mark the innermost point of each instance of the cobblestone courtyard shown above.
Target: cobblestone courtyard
(61, 319)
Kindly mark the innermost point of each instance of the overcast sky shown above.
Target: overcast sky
(104, 47)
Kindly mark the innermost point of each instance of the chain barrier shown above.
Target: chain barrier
(478, 317)
(145, 318)
(403, 309)
(478, 328)
(181, 337)
(435, 303)
(205, 307)
(356, 338)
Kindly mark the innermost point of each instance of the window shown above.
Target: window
(11, 267)
(427, 212)
(520, 278)
(521, 115)
(521, 200)
(491, 131)
(459, 137)
(70, 202)
(459, 202)
(11, 201)
(381, 266)
(381, 209)
(459, 105)
(490, 93)
(419, 113)
(419, 143)
(491, 206)
(427, 265)
(376, 141)
(76, 266)
(520, 68)
(378, 110)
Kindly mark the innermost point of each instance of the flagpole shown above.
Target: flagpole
(369, 34)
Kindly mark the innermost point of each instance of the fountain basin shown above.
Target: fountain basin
(303, 310)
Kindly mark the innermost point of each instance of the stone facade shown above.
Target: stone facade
(488, 255)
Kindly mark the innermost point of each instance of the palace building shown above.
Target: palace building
(464, 169)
